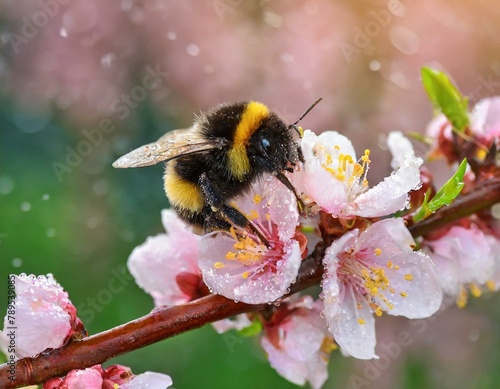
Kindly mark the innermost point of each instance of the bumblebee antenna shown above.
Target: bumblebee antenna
(294, 125)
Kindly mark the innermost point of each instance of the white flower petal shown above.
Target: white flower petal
(413, 287)
(399, 145)
(149, 379)
(390, 195)
(353, 328)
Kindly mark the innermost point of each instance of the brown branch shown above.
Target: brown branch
(166, 322)
(485, 194)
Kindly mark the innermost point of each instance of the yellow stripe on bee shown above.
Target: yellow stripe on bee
(182, 193)
(249, 123)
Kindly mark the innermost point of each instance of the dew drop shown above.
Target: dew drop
(63, 32)
(51, 232)
(374, 66)
(193, 49)
(25, 207)
(45, 197)
(6, 185)
(17, 262)
(107, 60)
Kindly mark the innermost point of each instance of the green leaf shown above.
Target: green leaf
(253, 329)
(445, 97)
(444, 196)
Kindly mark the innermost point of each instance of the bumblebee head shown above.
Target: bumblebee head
(273, 147)
(259, 141)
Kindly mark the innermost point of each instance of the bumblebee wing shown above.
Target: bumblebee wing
(172, 145)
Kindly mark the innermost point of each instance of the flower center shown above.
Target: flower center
(368, 281)
(351, 173)
(249, 251)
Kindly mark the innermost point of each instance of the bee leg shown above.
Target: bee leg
(300, 204)
(220, 215)
(236, 217)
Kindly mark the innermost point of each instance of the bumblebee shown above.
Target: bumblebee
(218, 158)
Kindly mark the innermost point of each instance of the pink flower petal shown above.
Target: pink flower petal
(485, 118)
(42, 319)
(149, 379)
(298, 354)
(244, 269)
(230, 280)
(83, 379)
(349, 318)
(462, 256)
(156, 263)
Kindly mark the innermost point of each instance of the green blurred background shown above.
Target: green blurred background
(67, 65)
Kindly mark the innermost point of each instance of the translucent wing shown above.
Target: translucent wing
(172, 145)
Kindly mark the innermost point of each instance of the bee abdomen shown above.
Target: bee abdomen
(183, 195)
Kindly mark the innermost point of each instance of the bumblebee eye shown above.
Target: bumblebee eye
(265, 143)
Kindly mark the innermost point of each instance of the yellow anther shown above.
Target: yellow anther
(230, 255)
(378, 311)
(366, 158)
(328, 345)
(481, 154)
(403, 294)
(408, 277)
(361, 321)
(257, 198)
(475, 290)
(219, 265)
(490, 285)
(378, 252)
(389, 264)
(396, 267)
(462, 298)
(245, 274)
(253, 215)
